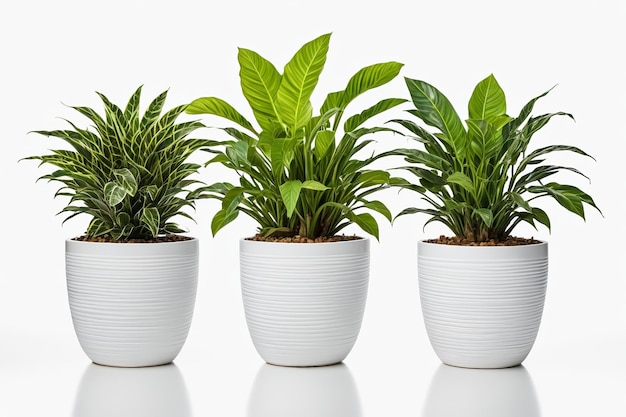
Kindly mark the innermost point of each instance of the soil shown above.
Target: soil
(158, 239)
(301, 239)
(460, 241)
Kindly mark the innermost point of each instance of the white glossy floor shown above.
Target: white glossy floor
(389, 374)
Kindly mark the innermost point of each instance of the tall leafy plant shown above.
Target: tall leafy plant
(299, 173)
(130, 173)
(480, 179)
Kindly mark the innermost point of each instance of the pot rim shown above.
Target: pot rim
(74, 241)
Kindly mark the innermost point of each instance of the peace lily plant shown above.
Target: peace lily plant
(303, 177)
(482, 291)
(299, 172)
(480, 179)
(131, 278)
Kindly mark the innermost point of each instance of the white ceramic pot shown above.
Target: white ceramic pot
(482, 306)
(304, 302)
(132, 303)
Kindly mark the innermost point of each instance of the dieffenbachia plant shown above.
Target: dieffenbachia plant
(299, 173)
(480, 178)
(130, 173)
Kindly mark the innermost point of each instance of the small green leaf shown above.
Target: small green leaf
(123, 219)
(314, 185)
(541, 216)
(462, 180)
(488, 100)
(126, 180)
(290, 192)
(365, 221)
(114, 194)
(218, 107)
(373, 177)
(221, 219)
(152, 191)
(380, 208)
(486, 215)
(151, 218)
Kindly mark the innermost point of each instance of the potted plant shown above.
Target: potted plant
(482, 291)
(304, 285)
(132, 276)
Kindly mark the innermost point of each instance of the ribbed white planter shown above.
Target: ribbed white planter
(132, 303)
(482, 306)
(304, 302)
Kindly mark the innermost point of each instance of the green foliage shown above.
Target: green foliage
(130, 173)
(480, 179)
(299, 173)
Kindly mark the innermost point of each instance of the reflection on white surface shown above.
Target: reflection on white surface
(481, 393)
(327, 391)
(157, 391)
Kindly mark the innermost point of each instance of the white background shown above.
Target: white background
(64, 51)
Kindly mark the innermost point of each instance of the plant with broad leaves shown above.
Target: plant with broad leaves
(480, 179)
(298, 173)
(131, 172)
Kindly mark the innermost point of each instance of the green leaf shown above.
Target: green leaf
(434, 109)
(314, 185)
(488, 100)
(486, 215)
(519, 200)
(383, 105)
(462, 180)
(123, 219)
(369, 78)
(114, 193)
(379, 207)
(259, 83)
(218, 107)
(125, 179)
(373, 177)
(151, 191)
(365, 221)
(299, 79)
(323, 142)
(290, 192)
(151, 218)
(541, 216)
(221, 219)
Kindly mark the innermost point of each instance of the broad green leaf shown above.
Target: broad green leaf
(486, 215)
(488, 100)
(541, 216)
(114, 193)
(519, 200)
(151, 218)
(221, 219)
(435, 110)
(373, 177)
(290, 192)
(125, 179)
(383, 105)
(333, 100)
(323, 142)
(218, 107)
(369, 78)
(462, 180)
(379, 207)
(299, 79)
(314, 185)
(123, 219)
(259, 83)
(365, 221)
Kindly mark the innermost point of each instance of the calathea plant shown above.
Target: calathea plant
(130, 173)
(299, 173)
(481, 179)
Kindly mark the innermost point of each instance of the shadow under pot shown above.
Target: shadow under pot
(304, 302)
(132, 303)
(482, 305)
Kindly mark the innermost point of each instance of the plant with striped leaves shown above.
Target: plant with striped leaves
(299, 173)
(130, 173)
(481, 180)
